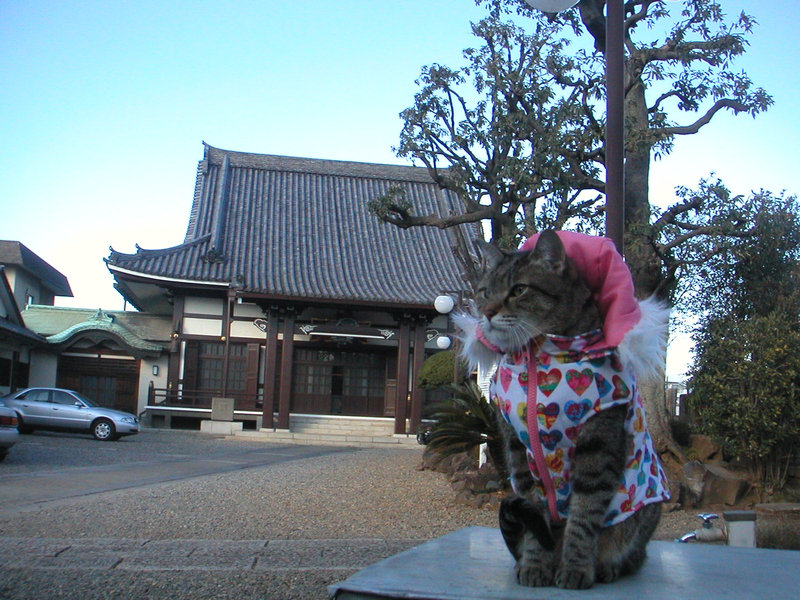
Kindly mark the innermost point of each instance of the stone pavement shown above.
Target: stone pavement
(92, 555)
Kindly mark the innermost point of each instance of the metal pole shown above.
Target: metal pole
(615, 123)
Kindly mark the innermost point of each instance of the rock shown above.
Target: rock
(711, 484)
(492, 486)
(464, 497)
(478, 500)
(705, 448)
(493, 503)
(459, 485)
(694, 473)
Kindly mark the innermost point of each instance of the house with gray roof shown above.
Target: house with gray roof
(25, 279)
(289, 297)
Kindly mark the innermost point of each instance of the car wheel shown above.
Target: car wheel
(103, 430)
(21, 427)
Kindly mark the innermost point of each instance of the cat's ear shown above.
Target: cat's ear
(550, 248)
(489, 255)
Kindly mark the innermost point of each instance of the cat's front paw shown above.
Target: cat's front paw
(608, 573)
(534, 574)
(575, 577)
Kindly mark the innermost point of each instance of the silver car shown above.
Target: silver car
(54, 408)
(8, 429)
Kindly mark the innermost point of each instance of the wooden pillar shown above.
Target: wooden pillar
(417, 393)
(174, 364)
(227, 310)
(401, 399)
(287, 350)
(270, 369)
(13, 375)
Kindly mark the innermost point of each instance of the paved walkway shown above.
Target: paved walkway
(22, 492)
(92, 555)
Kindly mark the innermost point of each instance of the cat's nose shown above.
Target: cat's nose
(491, 310)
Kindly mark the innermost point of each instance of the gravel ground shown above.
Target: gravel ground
(370, 493)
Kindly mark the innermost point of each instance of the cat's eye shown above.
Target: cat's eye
(483, 293)
(518, 290)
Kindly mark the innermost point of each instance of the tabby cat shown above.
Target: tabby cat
(577, 524)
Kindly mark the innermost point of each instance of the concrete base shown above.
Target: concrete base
(474, 564)
(220, 427)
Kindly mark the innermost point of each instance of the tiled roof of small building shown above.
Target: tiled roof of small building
(300, 228)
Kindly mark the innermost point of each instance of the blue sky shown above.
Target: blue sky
(104, 107)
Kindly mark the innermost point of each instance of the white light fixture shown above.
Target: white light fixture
(155, 370)
(444, 304)
(552, 6)
(443, 342)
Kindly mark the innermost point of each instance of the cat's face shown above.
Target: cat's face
(525, 294)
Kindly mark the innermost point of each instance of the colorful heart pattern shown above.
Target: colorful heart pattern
(572, 386)
(576, 410)
(549, 380)
(547, 414)
(505, 378)
(620, 388)
(579, 381)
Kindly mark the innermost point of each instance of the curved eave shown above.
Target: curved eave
(100, 331)
(161, 279)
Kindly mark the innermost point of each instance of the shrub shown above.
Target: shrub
(437, 370)
(746, 392)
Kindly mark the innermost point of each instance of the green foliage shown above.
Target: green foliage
(437, 370)
(753, 245)
(745, 382)
(746, 391)
(465, 421)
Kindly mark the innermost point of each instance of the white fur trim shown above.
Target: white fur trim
(644, 347)
(472, 349)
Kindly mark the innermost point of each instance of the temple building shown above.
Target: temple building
(288, 296)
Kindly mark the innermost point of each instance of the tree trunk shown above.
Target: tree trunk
(640, 255)
(654, 397)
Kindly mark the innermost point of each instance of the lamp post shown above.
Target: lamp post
(444, 305)
(615, 111)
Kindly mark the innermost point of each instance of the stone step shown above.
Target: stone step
(337, 425)
(353, 440)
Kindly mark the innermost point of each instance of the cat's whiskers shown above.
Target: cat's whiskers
(509, 331)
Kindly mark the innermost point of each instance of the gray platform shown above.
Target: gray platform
(473, 564)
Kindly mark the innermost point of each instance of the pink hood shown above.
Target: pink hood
(608, 278)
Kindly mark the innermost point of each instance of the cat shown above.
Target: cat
(586, 498)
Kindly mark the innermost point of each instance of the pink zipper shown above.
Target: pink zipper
(533, 433)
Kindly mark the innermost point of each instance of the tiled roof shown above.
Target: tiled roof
(300, 228)
(51, 321)
(15, 253)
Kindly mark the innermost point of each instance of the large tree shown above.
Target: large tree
(517, 132)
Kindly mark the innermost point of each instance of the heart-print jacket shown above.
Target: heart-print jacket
(548, 389)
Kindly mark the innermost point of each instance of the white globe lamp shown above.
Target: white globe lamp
(443, 342)
(552, 6)
(444, 304)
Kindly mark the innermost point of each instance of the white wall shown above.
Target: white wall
(43, 367)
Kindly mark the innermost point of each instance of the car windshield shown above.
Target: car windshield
(85, 400)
